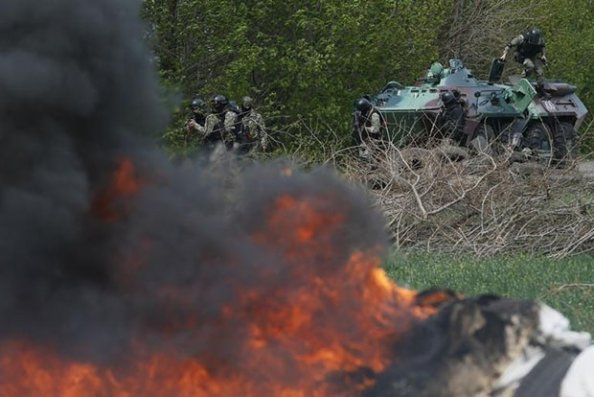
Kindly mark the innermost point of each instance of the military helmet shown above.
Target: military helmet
(219, 102)
(448, 97)
(534, 36)
(233, 106)
(363, 105)
(246, 102)
(197, 103)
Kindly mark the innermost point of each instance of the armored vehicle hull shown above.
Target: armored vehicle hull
(514, 114)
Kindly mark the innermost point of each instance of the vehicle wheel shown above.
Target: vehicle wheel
(483, 140)
(539, 139)
(565, 145)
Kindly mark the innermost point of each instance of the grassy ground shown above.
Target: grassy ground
(567, 284)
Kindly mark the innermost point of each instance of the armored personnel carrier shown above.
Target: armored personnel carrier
(543, 124)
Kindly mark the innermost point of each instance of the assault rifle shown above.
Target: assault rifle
(357, 116)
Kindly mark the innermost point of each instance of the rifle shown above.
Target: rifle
(356, 122)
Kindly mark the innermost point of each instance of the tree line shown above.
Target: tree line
(306, 61)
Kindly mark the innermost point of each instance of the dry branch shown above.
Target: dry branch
(438, 198)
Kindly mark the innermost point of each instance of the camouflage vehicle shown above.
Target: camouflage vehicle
(542, 125)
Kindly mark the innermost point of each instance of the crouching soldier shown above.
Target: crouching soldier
(367, 126)
(530, 52)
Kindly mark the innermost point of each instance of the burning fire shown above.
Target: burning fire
(327, 333)
(107, 205)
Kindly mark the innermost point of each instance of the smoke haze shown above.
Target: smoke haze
(77, 97)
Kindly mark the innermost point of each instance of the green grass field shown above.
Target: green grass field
(566, 284)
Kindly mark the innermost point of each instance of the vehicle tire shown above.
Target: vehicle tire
(565, 144)
(539, 139)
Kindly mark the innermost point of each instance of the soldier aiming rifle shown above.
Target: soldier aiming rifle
(197, 120)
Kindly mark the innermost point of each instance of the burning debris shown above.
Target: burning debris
(123, 275)
(486, 346)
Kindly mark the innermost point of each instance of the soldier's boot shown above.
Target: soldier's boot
(540, 88)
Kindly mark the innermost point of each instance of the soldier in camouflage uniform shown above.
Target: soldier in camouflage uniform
(253, 129)
(530, 52)
(220, 129)
(196, 123)
(367, 126)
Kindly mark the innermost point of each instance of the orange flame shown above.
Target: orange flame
(123, 184)
(323, 335)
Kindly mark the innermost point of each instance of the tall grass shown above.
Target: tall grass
(565, 284)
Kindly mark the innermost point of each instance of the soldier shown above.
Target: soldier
(451, 120)
(220, 128)
(253, 129)
(239, 140)
(196, 123)
(367, 125)
(530, 52)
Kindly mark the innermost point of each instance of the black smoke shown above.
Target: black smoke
(77, 95)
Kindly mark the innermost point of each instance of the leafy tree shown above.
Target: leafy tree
(305, 62)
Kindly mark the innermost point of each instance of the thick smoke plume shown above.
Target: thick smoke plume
(90, 271)
(76, 91)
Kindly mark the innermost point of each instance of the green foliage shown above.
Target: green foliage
(307, 61)
(303, 60)
(565, 284)
(570, 45)
(570, 41)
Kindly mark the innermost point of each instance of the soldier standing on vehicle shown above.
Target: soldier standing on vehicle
(220, 129)
(196, 123)
(252, 127)
(367, 126)
(530, 52)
